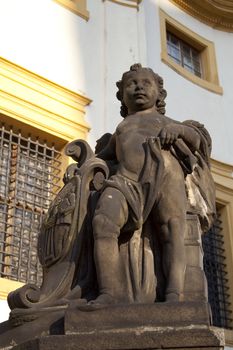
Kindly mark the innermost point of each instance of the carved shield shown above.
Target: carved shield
(57, 231)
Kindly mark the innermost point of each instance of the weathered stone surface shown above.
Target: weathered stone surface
(86, 318)
(112, 322)
(142, 326)
(49, 323)
(190, 337)
(195, 285)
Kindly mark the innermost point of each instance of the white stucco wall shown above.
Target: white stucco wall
(87, 57)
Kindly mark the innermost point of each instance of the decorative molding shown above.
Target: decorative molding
(128, 3)
(79, 7)
(39, 103)
(223, 174)
(215, 13)
(205, 47)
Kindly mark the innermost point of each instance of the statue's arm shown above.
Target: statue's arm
(173, 131)
(191, 137)
(109, 151)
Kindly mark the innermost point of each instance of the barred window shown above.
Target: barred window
(216, 274)
(184, 54)
(29, 178)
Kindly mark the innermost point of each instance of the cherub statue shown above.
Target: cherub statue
(120, 238)
(154, 154)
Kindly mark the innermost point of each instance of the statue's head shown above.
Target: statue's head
(140, 88)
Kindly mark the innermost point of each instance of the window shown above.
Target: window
(184, 54)
(30, 174)
(216, 274)
(189, 54)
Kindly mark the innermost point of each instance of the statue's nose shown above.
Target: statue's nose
(139, 86)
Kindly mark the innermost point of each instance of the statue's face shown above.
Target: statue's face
(140, 91)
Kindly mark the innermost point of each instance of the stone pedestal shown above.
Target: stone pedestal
(198, 338)
(195, 285)
(183, 325)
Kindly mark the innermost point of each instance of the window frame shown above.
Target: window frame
(222, 175)
(78, 7)
(206, 48)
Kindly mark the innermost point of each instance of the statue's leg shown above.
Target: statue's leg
(170, 213)
(110, 216)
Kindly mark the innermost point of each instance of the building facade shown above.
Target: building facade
(59, 61)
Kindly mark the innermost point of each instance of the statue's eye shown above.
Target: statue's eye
(131, 83)
(147, 82)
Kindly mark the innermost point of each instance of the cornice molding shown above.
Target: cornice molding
(223, 175)
(215, 13)
(35, 101)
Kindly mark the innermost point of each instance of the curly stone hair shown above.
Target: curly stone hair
(160, 102)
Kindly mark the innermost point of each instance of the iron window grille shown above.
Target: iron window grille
(29, 178)
(216, 274)
(184, 54)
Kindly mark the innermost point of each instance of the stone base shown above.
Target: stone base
(171, 314)
(182, 325)
(169, 338)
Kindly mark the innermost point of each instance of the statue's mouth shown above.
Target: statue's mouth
(139, 95)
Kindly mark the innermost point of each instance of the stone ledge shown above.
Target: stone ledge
(193, 337)
(179, 314)
(126, 327)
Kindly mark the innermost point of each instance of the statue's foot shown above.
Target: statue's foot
(100, 302)
(172, 297)
(103, 299)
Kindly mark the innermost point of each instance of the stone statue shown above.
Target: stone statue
(119, 231)
(154, 155)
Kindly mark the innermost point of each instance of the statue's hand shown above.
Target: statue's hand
(170, 133)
